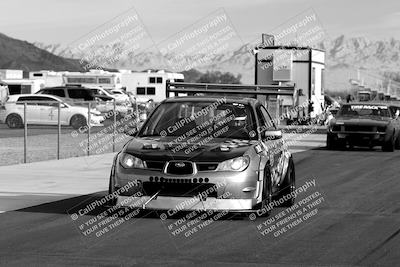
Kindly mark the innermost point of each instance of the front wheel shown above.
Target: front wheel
(14, 121)
(262, 209)
(288, 187)
(330, 141)
(112, 199)
(389, 145)
(397, 145)
(78, 121)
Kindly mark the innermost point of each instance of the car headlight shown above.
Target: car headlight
(129, 161)
(236, 164)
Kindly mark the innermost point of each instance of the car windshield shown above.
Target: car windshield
(205, 119)
(360, 110)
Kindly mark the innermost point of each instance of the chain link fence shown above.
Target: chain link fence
(45, 130)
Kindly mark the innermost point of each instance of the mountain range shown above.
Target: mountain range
(344, 56)
(17, 54)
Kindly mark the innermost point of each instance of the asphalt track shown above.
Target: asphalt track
(358, 224)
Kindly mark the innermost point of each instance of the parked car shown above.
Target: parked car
(120, 99)
(122, 107)
(228, 156)
(365, 124)
(12, 113)
(76, 93)
(120, 94)
(4, 93)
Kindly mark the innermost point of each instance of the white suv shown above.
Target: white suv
(45, 113)
(120, 99)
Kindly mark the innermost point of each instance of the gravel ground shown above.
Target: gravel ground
(42, 142)
(44, 147)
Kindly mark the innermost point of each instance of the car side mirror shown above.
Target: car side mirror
(142, 117)
(397, 114)
(131, 131)
(273, 135)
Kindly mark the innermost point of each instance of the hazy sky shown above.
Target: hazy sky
(62, 21)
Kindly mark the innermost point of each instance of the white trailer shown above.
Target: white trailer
(149, 85)
(23, 86)
(17, 84)
(50, 78)
(103, 79)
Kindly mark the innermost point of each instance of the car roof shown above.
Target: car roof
(15, 97)
(65, 87)
(229, 99)
(368, 103)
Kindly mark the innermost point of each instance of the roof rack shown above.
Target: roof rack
(193, 88)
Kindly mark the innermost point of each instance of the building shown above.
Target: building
(303, 67)
(150, 84)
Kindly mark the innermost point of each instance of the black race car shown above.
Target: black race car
(365, 124)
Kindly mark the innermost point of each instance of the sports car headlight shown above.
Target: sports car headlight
(129, 161)
(236, 164)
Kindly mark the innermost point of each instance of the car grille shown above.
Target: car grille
(358, 128)
(201, 166)
(188, 189)
(180, 167)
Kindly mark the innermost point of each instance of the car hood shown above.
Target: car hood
(166, 148)
(361, 121)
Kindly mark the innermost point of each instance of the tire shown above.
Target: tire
(341, 144)
(267, 191)
(397, 145)
(389, 145)
(289, 185)
(351, 145)
(78, 121)
(14, 121)
(330, 142)
(112, 201)
(262, 208)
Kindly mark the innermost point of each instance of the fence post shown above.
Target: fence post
(136, 114)
(88, 130)
(114, 126)
(25, 131)
(58, 130)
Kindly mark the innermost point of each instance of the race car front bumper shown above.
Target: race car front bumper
(360, 137)
(176, 204)
(208, 190)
